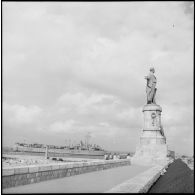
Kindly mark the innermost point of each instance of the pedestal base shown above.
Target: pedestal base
(152, 148)
(150, 154)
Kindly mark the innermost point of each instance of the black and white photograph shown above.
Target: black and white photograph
(97, 97)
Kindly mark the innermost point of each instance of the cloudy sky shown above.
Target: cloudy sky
(70, 68)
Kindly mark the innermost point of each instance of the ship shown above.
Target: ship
(80, 149)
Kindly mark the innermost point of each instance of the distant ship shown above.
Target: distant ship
(77, 149)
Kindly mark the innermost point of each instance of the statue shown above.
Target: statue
(151, 87)
(152, 148)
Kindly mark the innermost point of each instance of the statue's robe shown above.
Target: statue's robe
(151, 88)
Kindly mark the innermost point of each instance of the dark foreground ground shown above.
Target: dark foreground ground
(179, 178)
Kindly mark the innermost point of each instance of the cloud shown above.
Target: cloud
(21, 123)
(84, 104)
(175, 115)
(62, 126)
(20, 114)
(98, 108)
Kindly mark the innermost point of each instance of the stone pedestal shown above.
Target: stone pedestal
(152, 148)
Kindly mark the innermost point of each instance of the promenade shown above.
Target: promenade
(94, 182)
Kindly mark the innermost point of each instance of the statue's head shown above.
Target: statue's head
(152, 69)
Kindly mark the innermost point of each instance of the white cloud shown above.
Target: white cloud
(62, 126)
(20, 114)
(82, 103)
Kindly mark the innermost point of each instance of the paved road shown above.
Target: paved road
(94, 182)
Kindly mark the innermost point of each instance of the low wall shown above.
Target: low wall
(16, 176)
(142, 182)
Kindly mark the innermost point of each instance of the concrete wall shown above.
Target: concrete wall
(16, 176)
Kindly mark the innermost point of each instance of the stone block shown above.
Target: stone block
(31, 175)
(38, 174)
(45, 168)
(18, 182)
(21, 176)
(101, 162)
(64, 170)
(42, 178)
(8, 171)
(10, 184)
(13, 177)
(44, 173)
(62, 166)
(77, 164)
(69, 165)
(33, 169)
(93, 163)
(55, 167)
(86, 164)
(24, 182)
(6, 179)
(20, 170)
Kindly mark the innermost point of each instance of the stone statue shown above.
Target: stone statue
(151, 87)
(152, 148)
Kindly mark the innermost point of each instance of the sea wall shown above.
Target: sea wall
(15, 176)
(142, 182)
